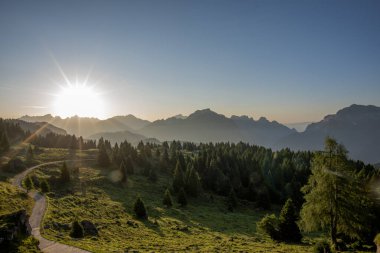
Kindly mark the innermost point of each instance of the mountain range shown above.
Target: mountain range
(356, 126)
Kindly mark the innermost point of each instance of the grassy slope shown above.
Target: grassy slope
(13, 199)
(202, 226)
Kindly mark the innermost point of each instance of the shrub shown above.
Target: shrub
(139, 209)
(322, 247)
(377, 239)
(167, 201)
(268, 225)
(29, 183)
(45, 187)
(76, 230)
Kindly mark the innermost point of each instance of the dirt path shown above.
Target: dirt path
(38, 214)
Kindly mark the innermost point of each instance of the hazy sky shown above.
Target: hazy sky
(291, 61)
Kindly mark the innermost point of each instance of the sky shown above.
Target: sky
(290, 61)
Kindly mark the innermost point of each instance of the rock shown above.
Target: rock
(14, 224)
(89, 228)
(132, 224)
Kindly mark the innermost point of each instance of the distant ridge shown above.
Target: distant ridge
(356, 126)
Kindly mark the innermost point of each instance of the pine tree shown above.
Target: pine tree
(29, 154)
(139, 209)
(167, 201)
(232, 201)
(334, 199)
(193, 183)
(288, 228)
(76, 230)
(4, 142)
(129, 166)
(178, 180)
(45, 187)
(153, 175)
(28, 183)
(65, 173)
(182, 200)
(103, 158)
(123, 172)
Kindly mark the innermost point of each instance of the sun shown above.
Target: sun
(79, 99)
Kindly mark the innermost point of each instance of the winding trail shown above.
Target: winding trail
(38, 212)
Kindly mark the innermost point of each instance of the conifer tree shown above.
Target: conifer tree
(45, 187)
(139, 209)
(232, 201)
(153, 175)
(334, 197)
(29, 183)
(103, 158)
(129, 166)
(29, 154)
(178, 180)
(182, 200)
(4, 142)
(76, 230)
(123, 172)
(167, 201)
(288, 228)
(193, 182)
(65, 173)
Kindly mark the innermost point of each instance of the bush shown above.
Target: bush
(45, 187)
(377, 239)
(139, 209)
(76, 230)
(29, 183)
(322, 247)
(268, 225)
(167, 201)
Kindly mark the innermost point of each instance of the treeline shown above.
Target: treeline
(11, 133)
(252, 173)
(53, 140)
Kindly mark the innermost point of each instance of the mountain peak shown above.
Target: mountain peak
(203, 113)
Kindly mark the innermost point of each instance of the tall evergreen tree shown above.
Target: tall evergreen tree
(288, 228)
(4, 142)
(29, 183)
(182, 200)
(123, 172)
(193, 182)
(103, 158)
(29, 154)
(45, 187)
(178, 180)
(334, 198)
(65, 173)
(129, 166)
(232, 201)
(139, 209)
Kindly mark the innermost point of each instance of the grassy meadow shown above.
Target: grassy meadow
(204, 225)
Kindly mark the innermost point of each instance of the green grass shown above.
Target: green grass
(203, 226)
(13, 199)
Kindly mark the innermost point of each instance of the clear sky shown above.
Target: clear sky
(290, 61)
